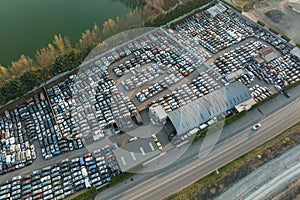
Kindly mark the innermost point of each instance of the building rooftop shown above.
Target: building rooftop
(213, 11)
(205, 108)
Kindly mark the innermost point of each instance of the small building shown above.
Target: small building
(245, 105)
(296, 52)
(217, 9)
(158, 114)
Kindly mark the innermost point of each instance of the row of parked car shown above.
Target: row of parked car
(198, 87)
(276, 42)
(174, 67)
(216, 33)
(260, 93)
(113, 108)
(62, 179)
(279, 72)
(192, 44)
(16, 149)
(144, 76)
(237, 58)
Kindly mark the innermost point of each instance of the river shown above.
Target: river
(28, 25)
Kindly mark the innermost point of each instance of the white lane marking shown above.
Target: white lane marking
(133, 156)
(142, 150)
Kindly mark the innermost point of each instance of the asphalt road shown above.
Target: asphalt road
(267, 180)
(190, 168)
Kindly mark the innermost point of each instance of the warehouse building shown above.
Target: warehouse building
(205, 108)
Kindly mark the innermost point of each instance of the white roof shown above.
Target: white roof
(160, 112)
(205, 108)
(219, 8)
(296, 52)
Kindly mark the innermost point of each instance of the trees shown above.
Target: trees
(62, 43)
(4, 74)
(67, 61)
(89, 38)
(20, 66)
(45, 57)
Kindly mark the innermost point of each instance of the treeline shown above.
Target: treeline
(59, 56)
(178, 11)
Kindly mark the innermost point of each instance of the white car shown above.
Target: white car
(256, 126)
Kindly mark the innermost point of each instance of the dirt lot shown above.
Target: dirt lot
(275, 13)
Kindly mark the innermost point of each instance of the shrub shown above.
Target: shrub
(286, 38)
(274, 31)
(261, 23)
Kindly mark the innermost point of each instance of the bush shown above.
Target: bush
(274, 31)
(232, 118)
(286, 38)
(261, 23)
(298, 45)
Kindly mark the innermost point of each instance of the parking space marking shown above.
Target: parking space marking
(142, 150)
(123, 160)
(151, 146)
(133, 156)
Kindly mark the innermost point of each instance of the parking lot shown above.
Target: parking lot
(112, 95)
(62, 179)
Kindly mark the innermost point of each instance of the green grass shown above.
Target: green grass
(298, 45)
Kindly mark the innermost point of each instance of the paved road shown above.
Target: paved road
(188, 168)
(267, 180)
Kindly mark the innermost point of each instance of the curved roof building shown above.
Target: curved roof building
(211, 105)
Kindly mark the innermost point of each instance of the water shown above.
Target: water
(28, 25)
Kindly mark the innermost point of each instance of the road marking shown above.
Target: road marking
(151, 146)
(123, 160)
(133, 156)
(142, 150)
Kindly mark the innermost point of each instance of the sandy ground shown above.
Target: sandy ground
(277, 14)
